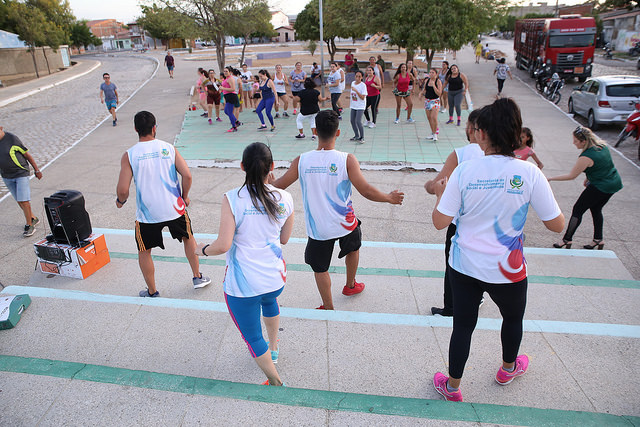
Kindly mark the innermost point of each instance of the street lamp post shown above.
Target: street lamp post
(321, 51)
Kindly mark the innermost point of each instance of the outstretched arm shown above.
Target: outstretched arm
(448, 167)
(289, 177)
(367, 190)
(187, 179)
(582, 163)
(124, 181)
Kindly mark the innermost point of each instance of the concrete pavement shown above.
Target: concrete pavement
(90, 352)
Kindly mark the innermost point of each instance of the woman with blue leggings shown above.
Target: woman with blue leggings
(230, 97)
(269, 94)
(256, 219)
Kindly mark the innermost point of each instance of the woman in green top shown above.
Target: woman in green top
(601, 183)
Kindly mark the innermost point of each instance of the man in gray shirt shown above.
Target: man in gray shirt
(109, 96)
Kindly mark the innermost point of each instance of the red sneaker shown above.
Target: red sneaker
(321, 308)
(357, 288)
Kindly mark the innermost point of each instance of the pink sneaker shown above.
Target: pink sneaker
(505, 377)
(440, 384)
(218, 119)
(357, 288)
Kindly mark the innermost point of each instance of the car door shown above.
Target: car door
(591, 97)
(578, 97)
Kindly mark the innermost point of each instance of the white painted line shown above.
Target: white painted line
(540, 326)
(606, 254)
(49, 86)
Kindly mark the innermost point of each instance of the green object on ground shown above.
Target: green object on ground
(11, 308)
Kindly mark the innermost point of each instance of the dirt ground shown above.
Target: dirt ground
(299, 53)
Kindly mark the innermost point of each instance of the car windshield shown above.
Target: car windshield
(624, 90)
(573, 40)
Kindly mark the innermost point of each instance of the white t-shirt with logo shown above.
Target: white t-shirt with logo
(356, 102)
(255, 265)
(326, 194)
(491, 197)
(501, 71)
(158, 191)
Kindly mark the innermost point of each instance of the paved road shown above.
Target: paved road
(601, 67)
(51, 121)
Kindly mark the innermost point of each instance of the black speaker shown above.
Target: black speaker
(68, 219)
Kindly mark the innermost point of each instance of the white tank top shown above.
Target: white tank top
(158, 191)
(326, 194)
(343, 83)
(279, 83)
(255, 265)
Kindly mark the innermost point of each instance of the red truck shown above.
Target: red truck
(565, 45)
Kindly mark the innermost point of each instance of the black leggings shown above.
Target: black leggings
(448, 296)
(511, 299)
(334, 102)
(590, 199)
(372, 101)
(500, 85)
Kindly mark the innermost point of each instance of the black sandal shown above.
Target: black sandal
(596, 243)
(565, 244)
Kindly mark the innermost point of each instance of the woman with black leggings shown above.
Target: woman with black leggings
(373, 96)
(490, 196)
(603, 180)
(458, 85)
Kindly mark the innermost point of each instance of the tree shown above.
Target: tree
(608, 5)
(434, 25)
(253, 18)
(166, 23)
(38, 23)
(340, 19)
(216, 19)
(81, 35)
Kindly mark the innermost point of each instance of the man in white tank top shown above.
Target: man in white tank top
(326, 176)
(459, 155)
(154, 166)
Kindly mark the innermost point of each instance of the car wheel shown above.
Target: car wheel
(570, 106)
(591, 121)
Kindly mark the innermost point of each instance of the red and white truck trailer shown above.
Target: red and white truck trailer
(565, 45)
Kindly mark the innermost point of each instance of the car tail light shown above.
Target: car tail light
(604, 104)
(637, 105)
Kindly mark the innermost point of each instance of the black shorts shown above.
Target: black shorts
(318, 252)
(149, 235)
(281, 94)
(295, 93)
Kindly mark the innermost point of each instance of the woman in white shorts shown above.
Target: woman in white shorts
(280, 79)
(432, 91)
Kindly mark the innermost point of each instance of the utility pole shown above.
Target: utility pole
(321, 50)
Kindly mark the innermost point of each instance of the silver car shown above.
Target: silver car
(605, 99)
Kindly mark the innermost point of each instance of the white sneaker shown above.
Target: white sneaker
(432, 136)
(396, 121)
(367, 123)
(435, 137)
(372, 125)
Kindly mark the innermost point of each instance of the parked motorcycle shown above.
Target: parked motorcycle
(541, 74)
(552, 90)
(635, 50)
(632, 128)
(608, 52)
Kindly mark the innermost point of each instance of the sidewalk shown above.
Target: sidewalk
(115, 359)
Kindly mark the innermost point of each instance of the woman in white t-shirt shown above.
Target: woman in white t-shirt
(256, 219)
(490, 196)
(358, 97)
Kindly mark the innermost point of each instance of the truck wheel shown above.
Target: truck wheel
(581, 79)
(531, 69)
(570, 106)
(591, 121)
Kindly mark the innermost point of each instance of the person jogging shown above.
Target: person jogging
(326, 176)
(255, 221)
(109, 96)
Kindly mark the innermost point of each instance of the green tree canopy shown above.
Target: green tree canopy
(81, 35)
(166, 23)
(253, 19)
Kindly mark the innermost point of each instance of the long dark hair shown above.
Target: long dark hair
(257, 160)
(503, 124)
(400, 68)
(265, 73)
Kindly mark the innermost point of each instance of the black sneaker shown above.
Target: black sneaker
(28, 230)
(114, 122)
(446, 312)
(285, 114)
(145, 294)
(300, 135)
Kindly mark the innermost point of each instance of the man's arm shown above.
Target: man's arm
(117, 96)
(124, 181)
(367, 190)
(381, 75)
(187, 179)
(289, 177)
(101, 96)
(32, 161)
(448, 167)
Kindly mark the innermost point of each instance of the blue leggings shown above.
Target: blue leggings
(245, 313)
(266, 104)
(228, 108)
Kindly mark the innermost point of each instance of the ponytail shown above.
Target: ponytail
(257, 160)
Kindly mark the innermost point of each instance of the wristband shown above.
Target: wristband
(204, 248)
(122, 203)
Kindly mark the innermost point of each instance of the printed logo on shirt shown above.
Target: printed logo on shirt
(165, 153)
(333, 169)
(281, 209)
(516, 185)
